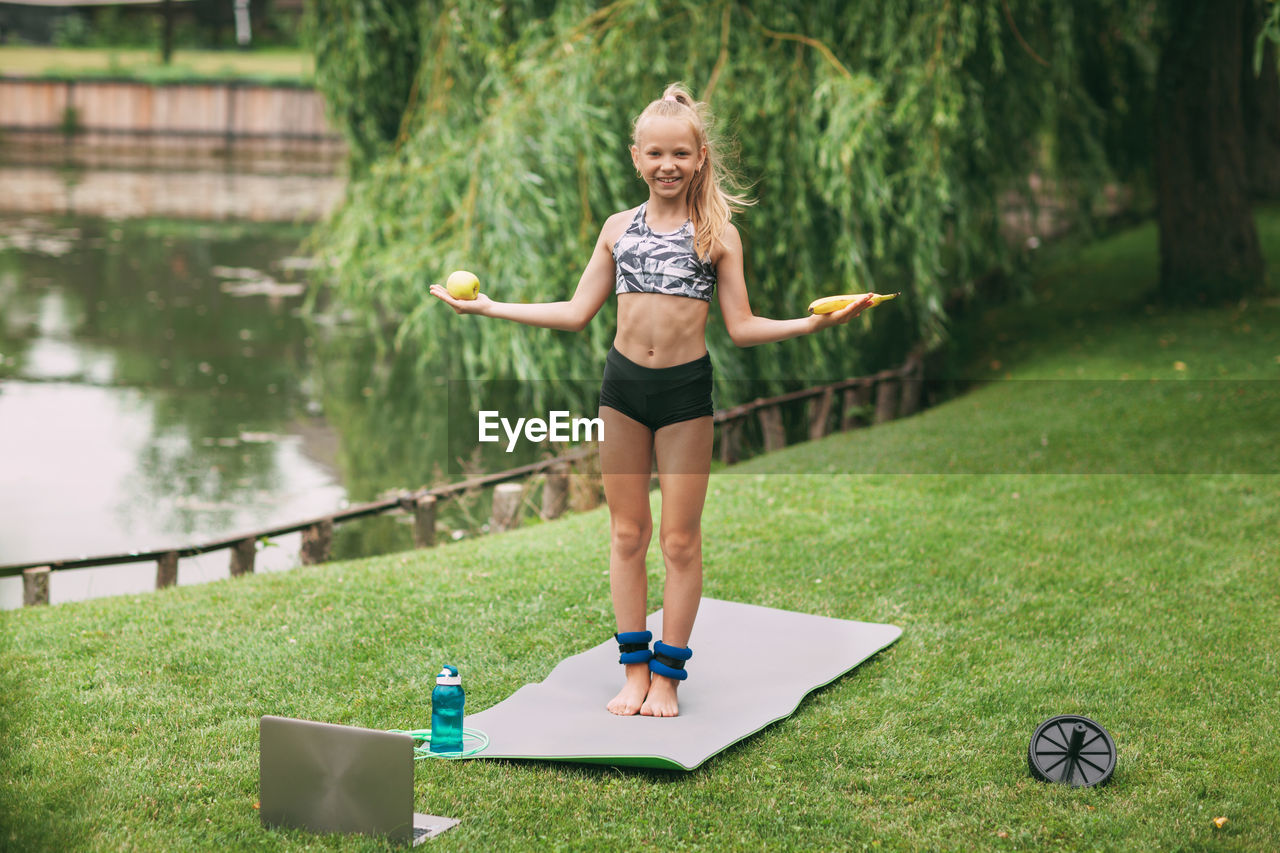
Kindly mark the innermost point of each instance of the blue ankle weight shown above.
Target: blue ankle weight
(634, 646)
(669, 661)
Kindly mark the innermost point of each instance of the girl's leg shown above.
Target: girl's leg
(684, 465)
(626, 459)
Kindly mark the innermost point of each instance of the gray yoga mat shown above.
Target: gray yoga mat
(751, 666)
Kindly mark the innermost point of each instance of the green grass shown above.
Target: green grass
(1045, 549)
(295, 66)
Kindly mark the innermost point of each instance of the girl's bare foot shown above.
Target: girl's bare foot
(629, 699)
(661, 701)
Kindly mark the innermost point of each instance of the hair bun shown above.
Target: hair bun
(676, 92)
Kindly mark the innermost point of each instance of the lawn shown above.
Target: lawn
(1095, 533)
(275, 65)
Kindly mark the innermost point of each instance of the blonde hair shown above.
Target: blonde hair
(712, 197)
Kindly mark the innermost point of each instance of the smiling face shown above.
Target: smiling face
(667, 155)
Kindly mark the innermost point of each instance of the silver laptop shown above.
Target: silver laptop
(327, 778)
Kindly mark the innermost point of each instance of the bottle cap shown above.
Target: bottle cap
(449, 676)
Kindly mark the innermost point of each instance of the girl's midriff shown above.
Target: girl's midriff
(659, 330)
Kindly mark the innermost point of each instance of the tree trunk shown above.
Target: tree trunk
(1260, 100)
(166, 43)
(1208, 242)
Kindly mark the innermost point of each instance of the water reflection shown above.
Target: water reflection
(146, 401)
(64, 178)
(161, 386)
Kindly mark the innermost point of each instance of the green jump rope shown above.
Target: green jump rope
(422, 748)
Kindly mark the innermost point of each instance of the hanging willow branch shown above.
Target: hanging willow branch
(811, 42)
(1009, 17)
(722, 58)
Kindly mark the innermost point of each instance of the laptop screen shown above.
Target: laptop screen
(328, 778)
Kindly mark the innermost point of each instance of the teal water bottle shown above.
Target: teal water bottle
(446, 711)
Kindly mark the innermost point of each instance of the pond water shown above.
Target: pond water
(156, 389)
(162, 383)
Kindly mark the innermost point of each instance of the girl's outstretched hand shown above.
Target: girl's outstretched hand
(479, 305)
(844, 315)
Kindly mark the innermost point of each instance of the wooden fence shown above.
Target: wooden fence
(222, 114)
(863, 401)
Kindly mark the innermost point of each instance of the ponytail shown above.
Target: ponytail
(712, 196)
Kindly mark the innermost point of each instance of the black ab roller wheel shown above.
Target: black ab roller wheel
(1072, 750)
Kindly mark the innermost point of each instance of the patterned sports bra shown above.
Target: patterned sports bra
(648, 262)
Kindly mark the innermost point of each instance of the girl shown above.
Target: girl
(664, 259)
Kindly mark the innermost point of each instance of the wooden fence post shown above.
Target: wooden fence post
(912, 382)
(854, 404)
(167, 570)
(555, 493)
(585, 485)
(230, 135)
(775, 436)
(35, 586)
(242, 554)
(507, 499)
(316, 541)
(886, 400)
(729, 432)
(424, 521)
(820, 413)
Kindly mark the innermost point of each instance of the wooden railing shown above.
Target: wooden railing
(863, 401)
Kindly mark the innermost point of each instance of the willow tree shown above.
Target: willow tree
(367, 59)
(879, 140)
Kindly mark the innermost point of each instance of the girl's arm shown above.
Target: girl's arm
(745, 328)
(572, 316)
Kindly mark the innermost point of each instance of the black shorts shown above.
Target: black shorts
(657, 396)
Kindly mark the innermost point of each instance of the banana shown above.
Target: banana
(830, 304)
